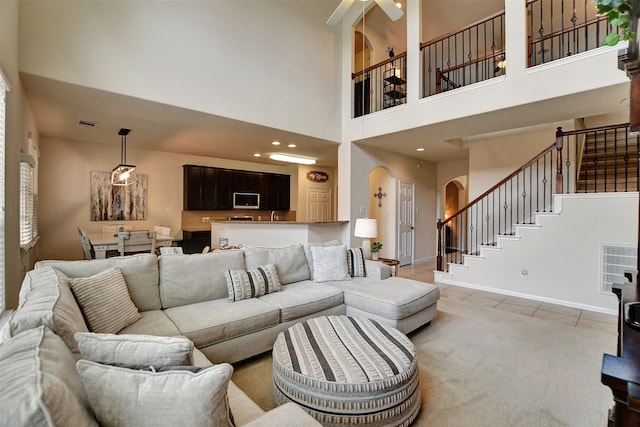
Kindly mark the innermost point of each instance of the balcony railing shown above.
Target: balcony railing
(380, 86)
(472, 54)
(603, 159)
(561, 28)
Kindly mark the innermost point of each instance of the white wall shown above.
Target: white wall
(562, 258)
(250, 60)
(403, 169)
(19, 123)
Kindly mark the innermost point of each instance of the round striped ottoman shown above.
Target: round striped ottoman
(347, 371)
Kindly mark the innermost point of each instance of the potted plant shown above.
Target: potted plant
(375, 249)
(619, 14)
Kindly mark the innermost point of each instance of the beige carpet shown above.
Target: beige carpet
(485, 367)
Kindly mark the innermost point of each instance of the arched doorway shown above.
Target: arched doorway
(455, 198)
(362, 82)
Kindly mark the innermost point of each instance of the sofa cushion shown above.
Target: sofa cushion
(330, 263)
(303, 298)
(105, 302)
(135, 349)
(121, 396)
(307, 253)
(153, 322)
(47, 301)
(140, 272)
(231, 320)
(394, 298)
(39, 384)
(196, 278)
(290, 261)
(356, 263)
(252, 283)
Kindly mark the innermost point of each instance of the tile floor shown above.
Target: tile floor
(423, 271)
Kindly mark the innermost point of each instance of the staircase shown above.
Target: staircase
(609, 163)
(598, 166)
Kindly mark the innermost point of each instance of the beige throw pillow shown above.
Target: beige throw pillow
(132, 349)
(105, 302)
(128, 397)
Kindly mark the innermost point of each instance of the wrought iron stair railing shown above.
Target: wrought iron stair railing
(602, 159)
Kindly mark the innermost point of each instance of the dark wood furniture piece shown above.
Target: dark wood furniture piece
(621, 373)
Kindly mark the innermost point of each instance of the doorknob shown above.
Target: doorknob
(412, 227)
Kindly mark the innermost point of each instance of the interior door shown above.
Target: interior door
(318, 204)
(406, 231)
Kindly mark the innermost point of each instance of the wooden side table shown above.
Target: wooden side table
(393, 263)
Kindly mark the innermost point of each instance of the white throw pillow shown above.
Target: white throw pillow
(129, 397)
(105, 302)
(135, 349)
(329, 263)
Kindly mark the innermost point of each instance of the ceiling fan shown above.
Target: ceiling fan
(388, 6)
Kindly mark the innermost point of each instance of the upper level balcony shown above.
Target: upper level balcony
(500, 70)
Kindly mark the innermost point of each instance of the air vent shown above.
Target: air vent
(87, 123)
(616, 260)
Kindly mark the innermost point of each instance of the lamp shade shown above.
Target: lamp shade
(366, 227)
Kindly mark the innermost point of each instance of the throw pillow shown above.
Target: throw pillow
(46, 300)
(105, 302)
(290, 261)
(135, 349)
(330, 263)
(39, 383)
(307, 252)
(355, 262)
(122, 396)
(252, 283)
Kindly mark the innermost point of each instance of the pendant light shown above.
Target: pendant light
(123, 173)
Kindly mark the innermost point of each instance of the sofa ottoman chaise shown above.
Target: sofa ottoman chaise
(347, 371)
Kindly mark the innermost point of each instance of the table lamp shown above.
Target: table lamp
(367, 228)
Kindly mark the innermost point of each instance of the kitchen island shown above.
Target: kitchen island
(276, 233)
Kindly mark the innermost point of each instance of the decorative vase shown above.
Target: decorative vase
(375, 255)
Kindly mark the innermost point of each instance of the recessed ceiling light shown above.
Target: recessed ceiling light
(276, 143)
(419, 149)
(399, 5)
(292, 159)
(291, 145)
(257, 155)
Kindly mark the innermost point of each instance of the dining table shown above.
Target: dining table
(103, 242)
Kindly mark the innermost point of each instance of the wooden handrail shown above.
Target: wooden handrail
(596, 129)
(379, 64)
(490, 190)
(467, 27)
(475, 61)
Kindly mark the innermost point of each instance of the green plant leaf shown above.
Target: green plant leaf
(611, 39)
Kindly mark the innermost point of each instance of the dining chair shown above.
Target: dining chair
(115, 229)
(131, 242)
(163, 230)
(86, 245)
(171, 250)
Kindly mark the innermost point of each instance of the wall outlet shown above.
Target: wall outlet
(206, 219)
(168, 209)
(362, 210)
(524, 274)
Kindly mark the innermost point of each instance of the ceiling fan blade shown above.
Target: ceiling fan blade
(390, 8)
(337, 14)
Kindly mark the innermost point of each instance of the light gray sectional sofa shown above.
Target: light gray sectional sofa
(188, 296)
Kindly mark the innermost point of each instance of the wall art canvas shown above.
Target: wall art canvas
(115, 203)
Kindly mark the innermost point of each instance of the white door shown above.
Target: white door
(406, 230)
(318, 204)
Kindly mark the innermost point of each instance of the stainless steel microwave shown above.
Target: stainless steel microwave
(246, 201)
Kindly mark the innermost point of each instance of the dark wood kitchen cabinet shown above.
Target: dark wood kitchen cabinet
(210, 188)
